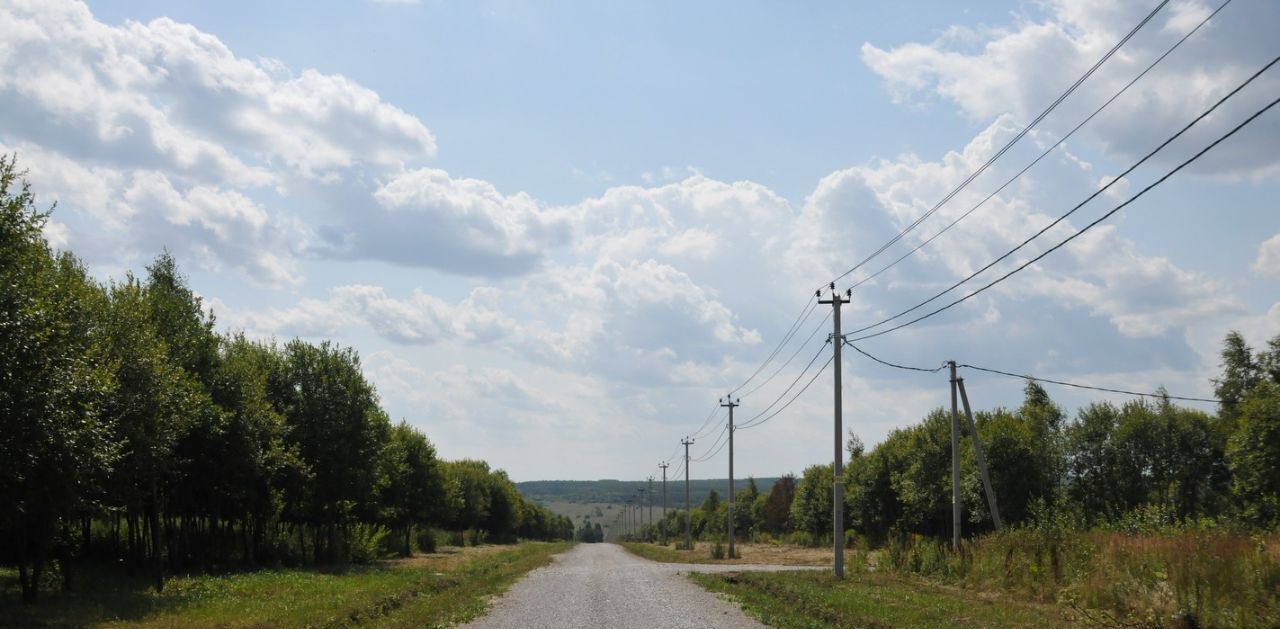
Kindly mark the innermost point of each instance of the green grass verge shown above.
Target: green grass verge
(424, 592)
(666, 554)
(817, 599)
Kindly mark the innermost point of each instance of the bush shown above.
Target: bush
(717, 551)
(426, 539)
(366, 541)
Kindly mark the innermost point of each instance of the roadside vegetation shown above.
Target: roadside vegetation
(138, 441)
(429, 590)
(1146, 513)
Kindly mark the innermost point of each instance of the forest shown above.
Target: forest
(134, 433)
(1142, 464)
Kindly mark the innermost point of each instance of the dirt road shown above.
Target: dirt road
(602, 585)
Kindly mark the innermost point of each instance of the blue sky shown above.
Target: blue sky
(556, 233)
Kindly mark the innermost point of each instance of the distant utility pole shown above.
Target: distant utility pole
(663, 521)
(837, 471)
(688, 505)
(650, 495)
(729, 403)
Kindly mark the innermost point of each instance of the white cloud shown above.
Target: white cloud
(1022, 68)
(1268, 263)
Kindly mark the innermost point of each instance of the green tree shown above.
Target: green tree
(411, 491)
(811, 509)
(339, 430)
(54, 441)
(1254, 455)
(777, 506)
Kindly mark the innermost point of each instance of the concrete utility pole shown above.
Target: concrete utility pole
(688, 506)
(729, 403)
(650, 495)
(663, 521)
(955, 463)
(837, 470)
(981, 457)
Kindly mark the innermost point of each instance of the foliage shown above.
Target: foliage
(133, 433)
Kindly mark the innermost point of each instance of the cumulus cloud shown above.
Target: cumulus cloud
(165, 95)
(1268, 263)
(991, 71)
(424, 217)
(136, 213)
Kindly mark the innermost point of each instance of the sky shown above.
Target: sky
(557, 233)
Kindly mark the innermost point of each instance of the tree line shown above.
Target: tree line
(1136, 464)
(132, 431)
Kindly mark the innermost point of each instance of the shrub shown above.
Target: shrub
(426, 539)
(366, 542)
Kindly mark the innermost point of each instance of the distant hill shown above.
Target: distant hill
(619, 491)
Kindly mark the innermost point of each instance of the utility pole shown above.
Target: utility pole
(837, 470)
(955, 463)
(980, 456)
(663, 521)
(650, 495)
(688, 506)
(729, 403)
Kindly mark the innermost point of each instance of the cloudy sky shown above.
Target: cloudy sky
(556, 233)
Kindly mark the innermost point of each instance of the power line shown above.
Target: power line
(719, 440)
(1072, 211)
(895, 366)
(1046, 151)
(1035, 378)
(1009, 145)
(795, 326)
(706, 422)
(793, 399)
(789, 387)
(1090, 387)
(791, 358)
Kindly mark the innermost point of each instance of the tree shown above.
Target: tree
(54, 441)
(1240, 373)
(152, 406)
(339, 430)
(411, 490)
(811, 509)
(1254, 455)
(777, 506)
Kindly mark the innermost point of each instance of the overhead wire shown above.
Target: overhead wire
(795, 326)
(1086, 228)
(1063, 217)
(793, 399)
(791, 358)
(1090, 387)
(1046, 152)
(1064, 383)
(1008, 145)
(789, 387)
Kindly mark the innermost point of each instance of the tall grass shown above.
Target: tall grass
(1218, 577)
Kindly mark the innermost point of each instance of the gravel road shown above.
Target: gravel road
(602, 585)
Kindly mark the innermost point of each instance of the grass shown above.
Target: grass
(434, 590)
(817, 599)
(771, 554)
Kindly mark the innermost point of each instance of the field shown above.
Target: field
(438, 589)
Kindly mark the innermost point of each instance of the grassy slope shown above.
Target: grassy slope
(817, 599)
(434, 590)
